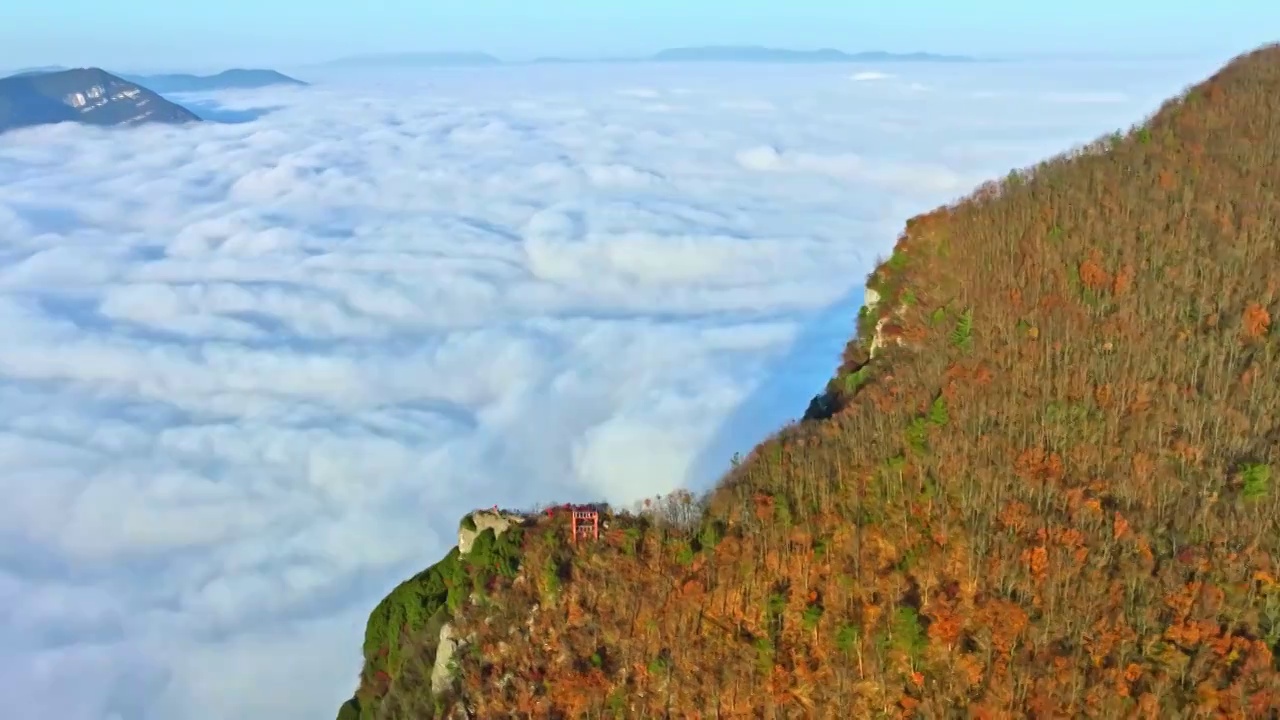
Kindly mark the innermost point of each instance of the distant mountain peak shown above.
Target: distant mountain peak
(91, 96)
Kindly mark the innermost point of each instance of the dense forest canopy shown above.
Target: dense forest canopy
(1049, 492)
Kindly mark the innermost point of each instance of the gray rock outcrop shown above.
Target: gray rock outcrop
(442, 672)
(479, 521)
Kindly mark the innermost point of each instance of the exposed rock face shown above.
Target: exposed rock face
(441, 673)
(879, 341)
(89, 95)
(477, 522)
(871, 299)
(469, 529)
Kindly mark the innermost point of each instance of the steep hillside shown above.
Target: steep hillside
(86, 95)
(1050, 493)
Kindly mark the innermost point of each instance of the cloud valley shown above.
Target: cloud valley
(253, 373)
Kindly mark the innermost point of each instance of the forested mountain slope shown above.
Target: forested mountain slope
(1051, 493)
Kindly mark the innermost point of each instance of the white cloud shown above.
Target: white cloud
(252, 374)
(648, 93)
(869, 75)
(761, 106)
(901, 177)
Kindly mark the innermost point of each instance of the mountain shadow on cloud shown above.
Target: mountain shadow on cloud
(214, 112)
(783, 395)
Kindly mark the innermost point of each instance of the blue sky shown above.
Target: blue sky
(140, 34)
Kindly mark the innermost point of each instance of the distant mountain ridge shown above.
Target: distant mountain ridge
(755, 53)
(416, 59)
(708, 53)
(91, 96)
(38, 70)
(234, 79)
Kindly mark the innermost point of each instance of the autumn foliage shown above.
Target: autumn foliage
(1056, 499)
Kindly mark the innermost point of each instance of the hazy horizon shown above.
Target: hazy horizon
(336, 65)
(145, 34)
(385, 62)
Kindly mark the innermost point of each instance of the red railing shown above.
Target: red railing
(584, 520)
(584, 524)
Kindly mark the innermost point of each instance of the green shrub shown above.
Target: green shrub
(1256, 480)
(812, 615)
(710, 535)
(551, 577)
(847, 638)
(685, 555)
(409, 606)
(856, 379)
(908, 635)
(938, 411)
(764, 655)
(659, 666)
(962, 336)
(917, 433)
(350, 710)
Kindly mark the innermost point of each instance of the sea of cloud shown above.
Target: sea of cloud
(252, 374)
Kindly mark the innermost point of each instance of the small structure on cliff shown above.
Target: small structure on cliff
(584, 525)
(584, 520)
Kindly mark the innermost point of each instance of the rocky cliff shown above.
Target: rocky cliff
(411, 635)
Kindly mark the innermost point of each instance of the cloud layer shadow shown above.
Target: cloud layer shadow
(213, 112)
(789, 384)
